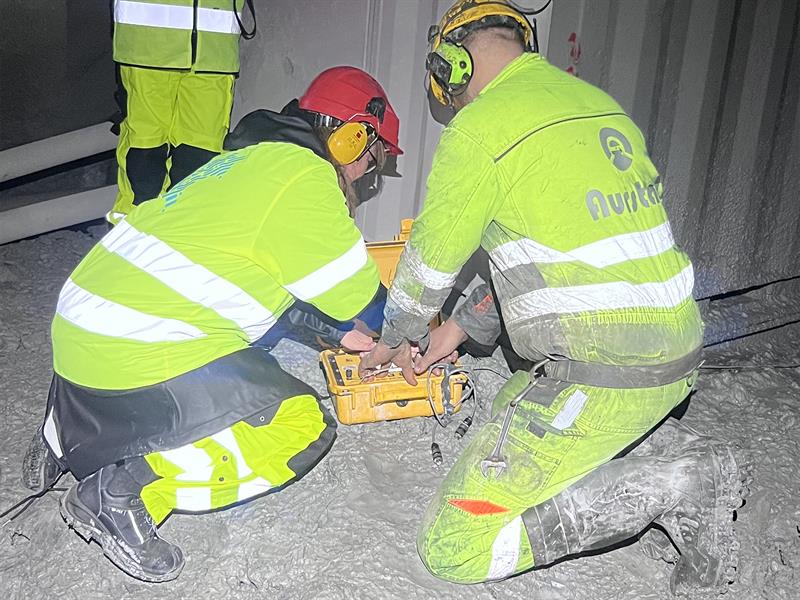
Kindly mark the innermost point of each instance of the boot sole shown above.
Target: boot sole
(88, 528)
(35, 465)
(722, 563)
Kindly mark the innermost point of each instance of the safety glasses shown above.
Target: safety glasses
(377, 157)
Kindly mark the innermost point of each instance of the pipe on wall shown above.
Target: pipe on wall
(40, 217)
(50, 152)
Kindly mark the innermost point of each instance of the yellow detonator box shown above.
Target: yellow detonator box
(388, 397)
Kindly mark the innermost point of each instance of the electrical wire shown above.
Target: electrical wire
(749, 366)
(496, 372)
(248, 35)
(467, 392)
(28, 502)
(528, 11)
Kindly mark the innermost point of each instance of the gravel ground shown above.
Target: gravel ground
(348, 529)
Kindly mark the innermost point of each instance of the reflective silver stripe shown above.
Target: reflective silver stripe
(411, 306)
(603, 253)
(217, 21)
(505, 551)
(193, 499)
(226, 439)
(570, 411)
(168, 16)
(602, 296)
(115, 217)
(189, 279)
(333, 273)
(98, 315)
(153, 15)
(195, 464)
(134, 525)
(51, 435)
(257, 486)
(437, 280)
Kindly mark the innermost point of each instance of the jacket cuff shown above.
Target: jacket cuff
(478, 316)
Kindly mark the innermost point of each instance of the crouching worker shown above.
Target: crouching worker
(159, 401)
(553, 179)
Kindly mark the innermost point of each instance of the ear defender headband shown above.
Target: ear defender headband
(350, 140)
(449, 63)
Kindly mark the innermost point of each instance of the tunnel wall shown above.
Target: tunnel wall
(714, 86)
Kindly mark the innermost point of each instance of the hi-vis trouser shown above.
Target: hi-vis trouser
(237, 427)
(241, 461)
(473, 529)
(173, 120)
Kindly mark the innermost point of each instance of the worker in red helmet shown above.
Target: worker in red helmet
(330, 103)
(161, 399)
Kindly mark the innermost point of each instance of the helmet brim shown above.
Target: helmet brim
(391, 148)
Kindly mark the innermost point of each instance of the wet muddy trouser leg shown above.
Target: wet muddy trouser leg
(173, 123)
(475, 527)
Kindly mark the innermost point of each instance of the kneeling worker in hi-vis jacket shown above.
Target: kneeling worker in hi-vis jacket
(550, 176)
(160, 401)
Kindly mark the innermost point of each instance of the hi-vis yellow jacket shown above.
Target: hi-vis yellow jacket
(202, 35)
(550, 176)
(206, 268)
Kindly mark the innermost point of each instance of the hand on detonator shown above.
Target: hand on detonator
(444, 341)
(381, 357)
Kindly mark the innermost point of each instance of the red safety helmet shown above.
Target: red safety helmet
(348, 94)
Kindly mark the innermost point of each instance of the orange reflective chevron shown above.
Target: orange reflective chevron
(477, 507)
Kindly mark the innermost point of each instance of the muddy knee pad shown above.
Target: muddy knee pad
(146, 170)
(187, 159)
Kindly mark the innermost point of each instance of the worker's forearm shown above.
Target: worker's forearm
(305, 316)
(417, 295)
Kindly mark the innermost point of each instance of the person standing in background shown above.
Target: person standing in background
(176, 65)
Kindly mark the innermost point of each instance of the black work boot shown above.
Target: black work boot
(701, 521)
(693, 497)
(40, 469)
(106, 507)
(672, 439)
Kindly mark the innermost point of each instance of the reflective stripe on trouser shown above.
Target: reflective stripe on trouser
(170, 107)
(241, 461)
(473, 530)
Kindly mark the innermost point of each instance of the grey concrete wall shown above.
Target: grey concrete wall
(299, 38)
(714, 85)
(56, 73)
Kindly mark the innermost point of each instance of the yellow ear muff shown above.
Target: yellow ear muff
(347, 143)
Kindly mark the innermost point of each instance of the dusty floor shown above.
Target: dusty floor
(348, 529)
